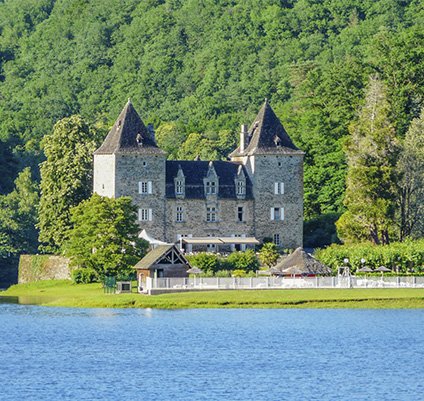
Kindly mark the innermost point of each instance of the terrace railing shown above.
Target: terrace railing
(245, 283)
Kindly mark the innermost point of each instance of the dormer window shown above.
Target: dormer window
(179, 187)
(211, 188)
(240, 188)
(179, 183)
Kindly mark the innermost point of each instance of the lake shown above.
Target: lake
(208, 354)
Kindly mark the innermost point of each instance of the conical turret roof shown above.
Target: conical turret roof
(129, 134)
(267, 135)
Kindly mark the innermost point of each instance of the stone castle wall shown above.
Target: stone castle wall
(194, 215)
(133, 168)
(267, 171)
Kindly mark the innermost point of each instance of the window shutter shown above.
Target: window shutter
(276, 188)
(149, 187)
(139, 188)
(281, 188)
(282, 213)
(150, 215)
(272, 214)
(139, 214)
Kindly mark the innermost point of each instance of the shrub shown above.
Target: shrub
(243, 261)
(84, 275)
(268, 254)
(205, 261)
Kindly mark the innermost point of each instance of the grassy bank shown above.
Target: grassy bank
(64, 293)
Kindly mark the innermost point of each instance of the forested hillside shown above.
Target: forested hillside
(197, 69)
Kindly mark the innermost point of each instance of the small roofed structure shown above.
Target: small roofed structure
(162, 261)
(302, 263)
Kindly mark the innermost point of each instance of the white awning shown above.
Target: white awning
(143, 235)
(220, 240)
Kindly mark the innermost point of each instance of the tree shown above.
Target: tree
(18, 217)
(268, 254)
(66, 178)
(104, 236)
(411, 183)
(371, 154)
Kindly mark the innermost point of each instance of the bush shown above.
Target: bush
(405, 256)
(205, 261)
(84, 276)
(243, 261)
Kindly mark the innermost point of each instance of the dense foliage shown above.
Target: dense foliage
(196, 70)
(66, 178)
(18, 217)
(311, 58)
(104, 237)
(404, 257)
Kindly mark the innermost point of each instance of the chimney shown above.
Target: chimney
(243, 137)
(151, 131)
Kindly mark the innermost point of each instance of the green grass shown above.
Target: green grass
(64, 293)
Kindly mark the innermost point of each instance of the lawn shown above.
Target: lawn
(64, 293)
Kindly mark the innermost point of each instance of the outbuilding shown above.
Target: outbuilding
(161, 262)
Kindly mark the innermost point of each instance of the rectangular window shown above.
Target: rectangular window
(240, 213)
(179, 214)
(210, 214)
(145, 215)
(278, 188)
(277, 239)
(240, 188)
(211, 187)
(179, 187)
(277, 213)
(145, 187)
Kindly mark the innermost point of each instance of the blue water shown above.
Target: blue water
(235, 354)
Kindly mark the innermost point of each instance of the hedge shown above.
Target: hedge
(404, 257)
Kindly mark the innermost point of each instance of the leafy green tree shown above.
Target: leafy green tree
(411, 183)
(18, 217)
(66, 178)
(268, 255)
(104, 236)
(372, 154)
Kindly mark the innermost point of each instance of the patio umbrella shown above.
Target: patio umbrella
(382, 269)
(194, 270)
(365, 269)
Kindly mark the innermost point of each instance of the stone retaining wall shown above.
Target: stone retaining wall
(43, 267)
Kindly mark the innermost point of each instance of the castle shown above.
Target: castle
(257, 193)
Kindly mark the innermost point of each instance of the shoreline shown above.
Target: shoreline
(62, 293)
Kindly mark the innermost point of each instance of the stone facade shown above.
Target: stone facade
(258, 193)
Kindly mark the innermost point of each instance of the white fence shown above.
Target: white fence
(233, 283)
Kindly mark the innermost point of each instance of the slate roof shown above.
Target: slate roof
(267, 135)
(196, 170)
(129, 135)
